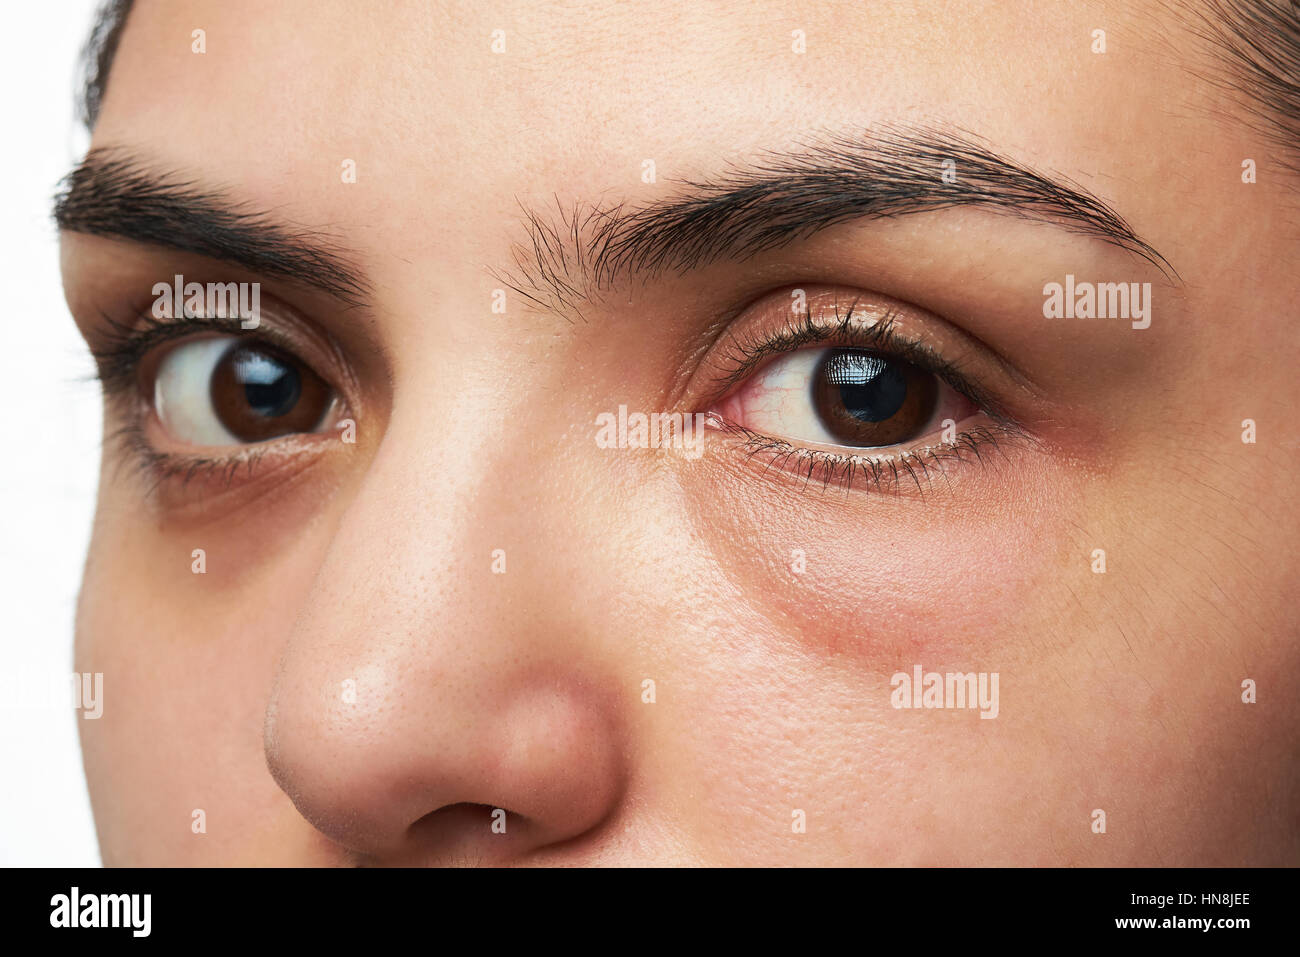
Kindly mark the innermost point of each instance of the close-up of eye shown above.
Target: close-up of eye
(861, 390)
(230, 390)
(853, 398)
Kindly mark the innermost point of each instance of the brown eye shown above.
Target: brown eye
(259, 392)
(867, 399)
(224, 390)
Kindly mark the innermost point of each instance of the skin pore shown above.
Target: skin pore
(458, 611)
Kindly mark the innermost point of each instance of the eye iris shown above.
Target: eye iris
(259, 393)
(872, 400)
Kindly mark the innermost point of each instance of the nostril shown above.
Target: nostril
(463, 835)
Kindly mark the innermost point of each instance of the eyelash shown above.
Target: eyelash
(881, 472)
(162, 467)
(122, 348)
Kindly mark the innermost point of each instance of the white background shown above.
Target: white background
(49, 441)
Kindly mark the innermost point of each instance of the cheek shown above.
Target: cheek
(187, 661)
(887, 580)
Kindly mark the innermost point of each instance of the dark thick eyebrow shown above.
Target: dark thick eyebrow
(782, 198)
(111, 193)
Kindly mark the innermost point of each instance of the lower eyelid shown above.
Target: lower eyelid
(200, 484)
(179, 475)
(897, 468)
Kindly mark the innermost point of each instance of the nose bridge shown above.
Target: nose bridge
(424, 673)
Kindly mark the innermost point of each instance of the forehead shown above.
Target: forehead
(453, 113)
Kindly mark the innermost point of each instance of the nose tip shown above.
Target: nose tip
(464, 772)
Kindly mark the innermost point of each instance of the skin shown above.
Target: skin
(372, 562)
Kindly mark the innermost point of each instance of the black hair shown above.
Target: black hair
(1257, 56)
(97, 58)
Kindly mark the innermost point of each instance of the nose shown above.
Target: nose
(430, 710)
(461, 765)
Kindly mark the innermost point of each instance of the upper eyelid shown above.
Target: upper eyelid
(882, 334)
(119, 351)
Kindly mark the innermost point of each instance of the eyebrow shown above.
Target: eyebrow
(111, 193)
(570, 254)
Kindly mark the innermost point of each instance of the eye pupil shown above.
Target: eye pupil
(871, 389)
(869, 400)
(271, 388)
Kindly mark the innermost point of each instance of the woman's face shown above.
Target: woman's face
(396, 559)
